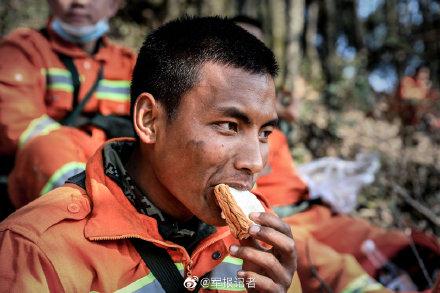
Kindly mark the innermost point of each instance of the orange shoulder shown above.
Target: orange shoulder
(65, 203)
(22, 36)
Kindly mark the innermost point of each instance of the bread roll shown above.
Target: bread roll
(236, 206)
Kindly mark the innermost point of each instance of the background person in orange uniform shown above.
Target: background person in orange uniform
(282, 180)
(63, 90)
(414, 95)
(329, 245)
(332, 247)
(321, 268)
(153, 195)
(330, 271)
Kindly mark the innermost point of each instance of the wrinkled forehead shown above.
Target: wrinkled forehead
(225, 76)
(221, 86)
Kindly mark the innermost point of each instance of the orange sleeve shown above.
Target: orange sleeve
(320, 266)
(24, 267)
(22, 90)
(281, 185)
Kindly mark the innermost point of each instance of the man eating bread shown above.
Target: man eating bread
(144, 216)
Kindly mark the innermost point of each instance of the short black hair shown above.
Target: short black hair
(171, 57)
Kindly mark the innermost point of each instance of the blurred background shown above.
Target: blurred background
(341, 63)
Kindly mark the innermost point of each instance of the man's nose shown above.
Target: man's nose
(251, 156)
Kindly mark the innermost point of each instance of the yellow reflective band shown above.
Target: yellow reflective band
(142, 282)
(114, 90)
(233, 260)
(113, 97)
(58, 71)
(179, 266)
(115, 83)
(363, 283)
(39, 126)
(62, 174)
(138, 284)
(59, 86)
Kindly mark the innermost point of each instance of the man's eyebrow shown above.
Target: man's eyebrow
(235, 113)
(273, 122)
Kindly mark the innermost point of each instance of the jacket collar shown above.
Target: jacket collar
(112, 215)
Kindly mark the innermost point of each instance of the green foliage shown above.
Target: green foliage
(22, 13)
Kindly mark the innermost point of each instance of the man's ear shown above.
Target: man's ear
(145, 114)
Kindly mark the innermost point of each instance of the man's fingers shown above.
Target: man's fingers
(265, 262)
(273, 267)
(257, 283)
(273, 221)
(283, 245)
(252, 242)
(275, 232)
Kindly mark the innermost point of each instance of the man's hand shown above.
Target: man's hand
(271, 270)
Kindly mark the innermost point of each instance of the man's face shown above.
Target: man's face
(218, 136)
(83, 12)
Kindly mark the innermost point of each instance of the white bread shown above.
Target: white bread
(236, 206)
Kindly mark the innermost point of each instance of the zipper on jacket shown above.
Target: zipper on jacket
(135, 236)
(187, 260)
(190, 263)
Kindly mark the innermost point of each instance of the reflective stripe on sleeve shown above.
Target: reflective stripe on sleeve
(59, 79)
(62, 174)
(363, 283)
(114, 90)
(141, 285)
(39, 126)
(149, 283)
(224, 276)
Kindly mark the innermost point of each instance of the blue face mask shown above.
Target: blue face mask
(80, 34)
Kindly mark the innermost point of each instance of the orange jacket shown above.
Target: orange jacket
(282, 185)
(328, 244)
(36, 89)
(319, 264)
(413, 100)
(70, 240)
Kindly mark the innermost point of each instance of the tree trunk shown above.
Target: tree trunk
(430, 36)
(358, 29)
(277, 31)
(392, 22)
(331, 62)
(311, 33)
(250, 8)
(295, 20)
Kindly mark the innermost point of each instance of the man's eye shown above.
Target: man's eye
(229, 126)
(265, 133)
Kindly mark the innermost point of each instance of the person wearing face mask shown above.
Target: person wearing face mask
(143, 216)
(64, 90)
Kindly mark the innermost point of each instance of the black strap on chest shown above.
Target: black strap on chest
(161, 265)
(70, 66)
(71, 119)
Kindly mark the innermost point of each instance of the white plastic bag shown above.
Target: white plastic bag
(338, 181)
